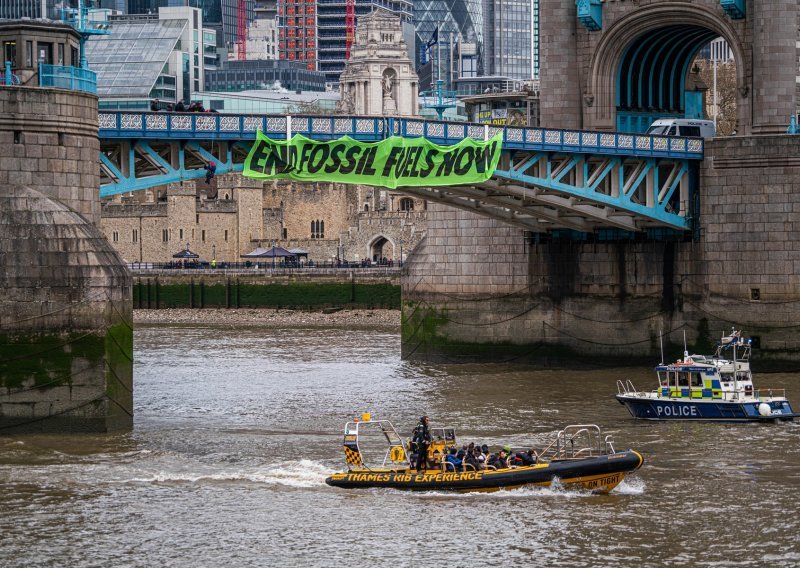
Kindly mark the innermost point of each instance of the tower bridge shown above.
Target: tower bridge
(547, 178)
(477, 286)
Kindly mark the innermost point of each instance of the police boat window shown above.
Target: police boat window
(671, 131)
(673, 377)
(663, 378)
(683, 380)
(697, 379)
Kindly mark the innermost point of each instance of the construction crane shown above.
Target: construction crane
(241, 30)
(349, 26)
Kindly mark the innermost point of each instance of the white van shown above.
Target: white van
(683, 127)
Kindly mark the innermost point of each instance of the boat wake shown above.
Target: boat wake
(630, 486)
(301, 474)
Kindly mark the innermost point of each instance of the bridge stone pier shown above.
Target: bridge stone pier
(65, 295)
(478, 289)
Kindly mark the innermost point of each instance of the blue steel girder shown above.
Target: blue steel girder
(631, 193)
(736, 9)
(548, 178)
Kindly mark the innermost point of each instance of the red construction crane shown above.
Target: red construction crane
(241, 30)
(349, 26)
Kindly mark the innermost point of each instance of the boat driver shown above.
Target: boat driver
(422, 440)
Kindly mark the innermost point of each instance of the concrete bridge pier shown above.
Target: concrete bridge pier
(65, 296)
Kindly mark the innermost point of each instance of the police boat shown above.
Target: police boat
(709, 388)
(579, 456)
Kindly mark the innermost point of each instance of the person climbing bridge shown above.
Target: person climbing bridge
(211, 169)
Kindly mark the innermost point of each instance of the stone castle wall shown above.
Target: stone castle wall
(241, 214)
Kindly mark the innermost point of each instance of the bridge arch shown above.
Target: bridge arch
(643, 60)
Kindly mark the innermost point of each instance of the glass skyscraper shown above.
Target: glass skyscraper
(220, 15)
(460, 25)
(15, 9)
(511, 38)
(331, 40)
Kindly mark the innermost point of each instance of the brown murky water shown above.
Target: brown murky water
(235, 433)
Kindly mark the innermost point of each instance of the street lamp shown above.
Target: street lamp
(213, 256)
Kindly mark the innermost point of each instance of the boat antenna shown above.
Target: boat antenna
(685, 349)
(661, 342)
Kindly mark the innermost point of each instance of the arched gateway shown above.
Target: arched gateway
(633, 62)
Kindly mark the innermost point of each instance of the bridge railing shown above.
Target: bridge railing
(66, 77)
(215, 126)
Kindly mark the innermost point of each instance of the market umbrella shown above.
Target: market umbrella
(299, 252)
(255, 253)
(186, 253)
(277, 252)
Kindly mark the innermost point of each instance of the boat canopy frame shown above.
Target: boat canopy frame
(396, 455)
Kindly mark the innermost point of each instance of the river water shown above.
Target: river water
(235, 432)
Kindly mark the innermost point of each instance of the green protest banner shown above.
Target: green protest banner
(393, 162)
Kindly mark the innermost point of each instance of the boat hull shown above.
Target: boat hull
(650, 408)
(598, 474)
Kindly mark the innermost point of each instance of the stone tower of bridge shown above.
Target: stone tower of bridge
(66, 340)
(379, 78)
(615, 65)
(477, 289)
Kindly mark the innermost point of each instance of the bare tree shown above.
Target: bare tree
(726, 93)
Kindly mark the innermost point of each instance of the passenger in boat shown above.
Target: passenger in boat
(422, 440)
(475, 458)
(453, 459)
(498, 460)
(519, 459)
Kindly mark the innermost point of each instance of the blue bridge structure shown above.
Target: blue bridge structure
(547, 178)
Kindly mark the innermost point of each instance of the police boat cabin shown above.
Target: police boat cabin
(710, 388)
(377, 456)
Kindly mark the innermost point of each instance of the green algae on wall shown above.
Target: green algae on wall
(119, 361)
(231, 294)
(45, 360)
